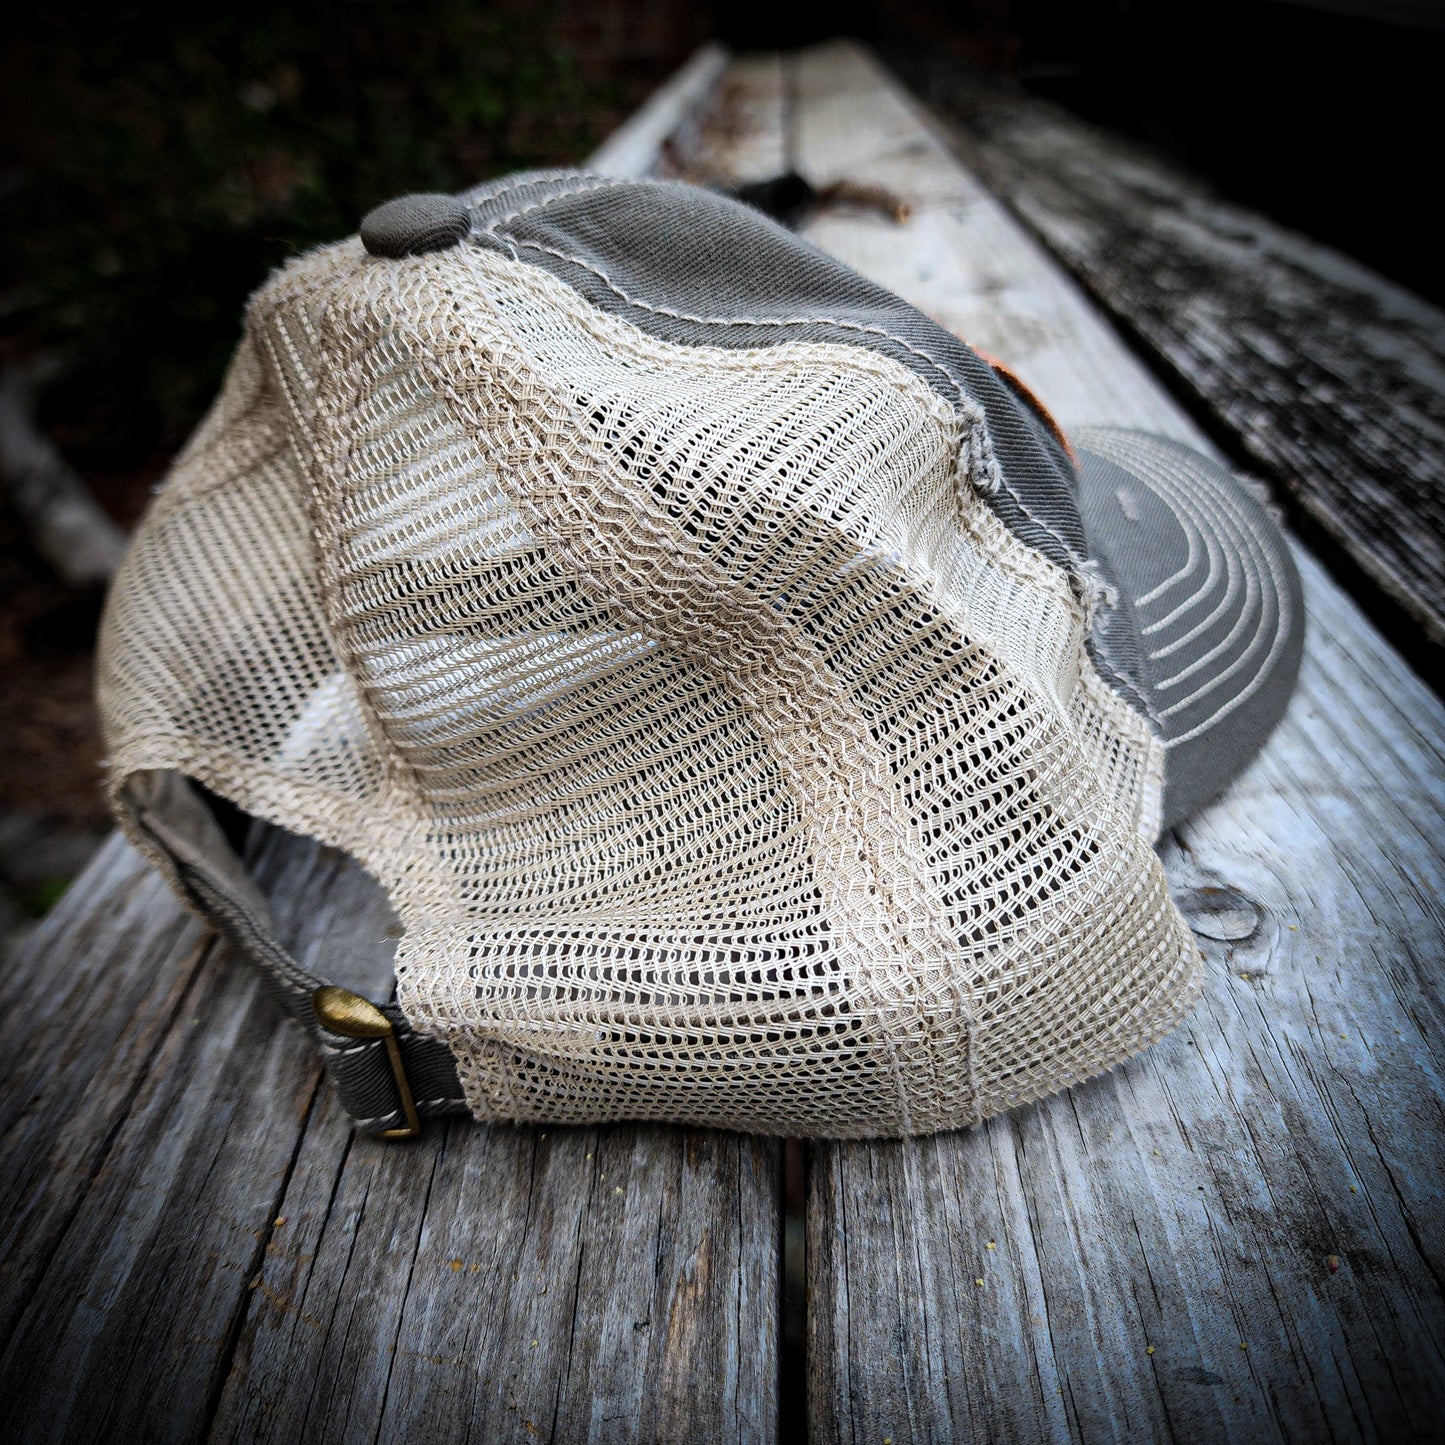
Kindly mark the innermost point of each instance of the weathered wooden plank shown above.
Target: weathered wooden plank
(488, 1284)
(231, 1242)
(633, 148)
(1011, 1283)
(197, 1245)
(741, 134)
(126, 1324)
(1327, 375)
(78, 1025)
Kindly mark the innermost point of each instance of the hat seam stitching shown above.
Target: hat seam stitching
(1282, 606)
(994, 480)
(397, 769)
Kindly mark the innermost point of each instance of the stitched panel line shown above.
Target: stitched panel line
(993, 480)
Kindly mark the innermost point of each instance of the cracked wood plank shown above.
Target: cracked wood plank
(1331, 378)
(179, 1121)
(499, 1283)
(1150, 1255)
(197, 1246)
(76, 1037)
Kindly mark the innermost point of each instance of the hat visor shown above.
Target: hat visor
(1212, 596)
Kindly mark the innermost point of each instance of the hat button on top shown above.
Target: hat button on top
(414, 225)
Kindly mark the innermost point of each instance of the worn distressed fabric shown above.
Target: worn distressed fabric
(755, 713)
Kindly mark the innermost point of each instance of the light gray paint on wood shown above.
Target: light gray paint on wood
(1327, 375)
(1191, 1200)
(78, 1024)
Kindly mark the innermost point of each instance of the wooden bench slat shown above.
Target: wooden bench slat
(632, 149)
(1189, 1200)
(237, 1243)
(197, 1244)
(740, 134)
(1329, 376)
(129, 1325)
(496, 1281)
(76, 1036)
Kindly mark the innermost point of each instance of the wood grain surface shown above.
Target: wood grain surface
(197, 1246)
(1239, 1235)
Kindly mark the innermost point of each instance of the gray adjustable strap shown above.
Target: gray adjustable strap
(387, 1076)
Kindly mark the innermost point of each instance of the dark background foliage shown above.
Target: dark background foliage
(167, 161)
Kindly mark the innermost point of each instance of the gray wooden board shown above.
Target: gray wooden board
(740, 135)
(499, 1283)
(1326, 374)
(1009, 1283)
(196, 1245)
(186, 1137)
(632, 149)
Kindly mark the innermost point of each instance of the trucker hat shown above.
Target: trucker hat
(756, 711)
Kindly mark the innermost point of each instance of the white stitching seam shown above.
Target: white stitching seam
(1210, 506)
(1227, 526)
(598, 183)
(1226, 530)
(1220, 559)
(481, 195)
(1220, 678)
(1246, 693)
(1184, 572)
(969, 406)
(1200, 551)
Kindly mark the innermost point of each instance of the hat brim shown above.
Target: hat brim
(1210, 589)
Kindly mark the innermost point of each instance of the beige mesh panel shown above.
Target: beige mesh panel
(216, 657)
(724, 757)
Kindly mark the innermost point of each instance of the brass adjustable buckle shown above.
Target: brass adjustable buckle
(354, 1017)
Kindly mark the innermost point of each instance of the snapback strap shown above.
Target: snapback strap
(388, 1076)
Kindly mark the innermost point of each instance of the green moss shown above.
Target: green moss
(36, 899)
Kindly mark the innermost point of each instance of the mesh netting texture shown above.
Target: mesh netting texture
(724, 756)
